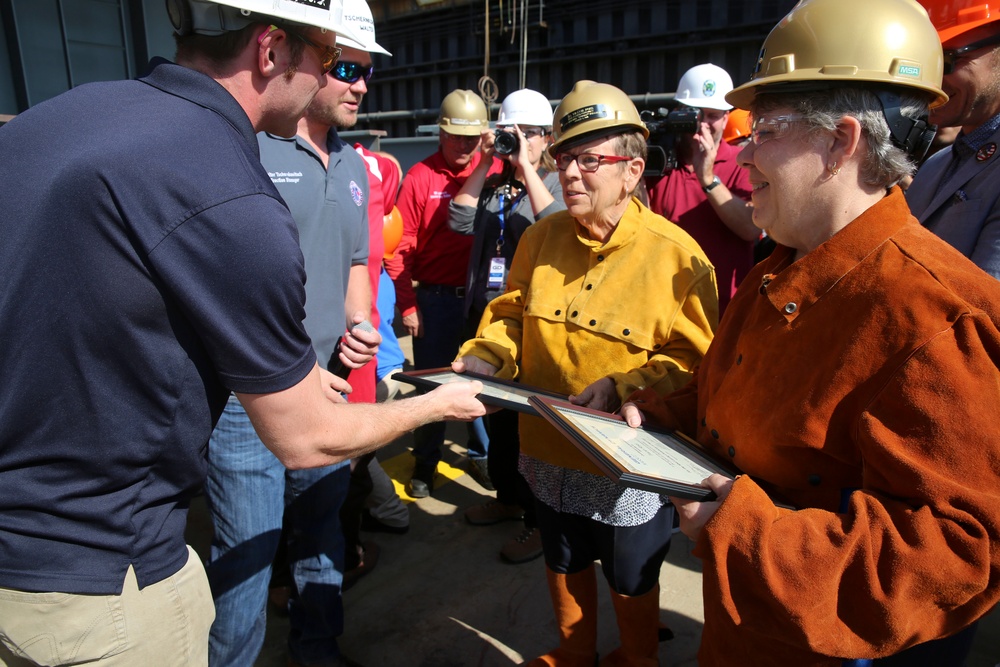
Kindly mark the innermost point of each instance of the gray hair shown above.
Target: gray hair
(885, 164)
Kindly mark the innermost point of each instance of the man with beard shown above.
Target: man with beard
(956, 193)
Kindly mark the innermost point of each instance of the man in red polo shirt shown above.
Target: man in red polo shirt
(437, 258)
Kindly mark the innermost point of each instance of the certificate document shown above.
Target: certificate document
(502, 393)
(643, 458)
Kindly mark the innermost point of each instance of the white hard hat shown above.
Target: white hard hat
(525, 107)
(358, 16)
(215, 17)
(706, 87)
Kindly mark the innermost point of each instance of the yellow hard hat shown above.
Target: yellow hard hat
(823, 41)
(593, 110)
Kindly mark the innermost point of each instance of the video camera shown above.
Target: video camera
(666, 128)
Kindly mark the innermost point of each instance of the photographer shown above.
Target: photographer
(497, 210)
(707, 194)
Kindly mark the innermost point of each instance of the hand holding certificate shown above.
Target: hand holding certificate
(643, 458)
(500, 393)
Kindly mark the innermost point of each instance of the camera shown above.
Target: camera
(666, 129)
(506, 143)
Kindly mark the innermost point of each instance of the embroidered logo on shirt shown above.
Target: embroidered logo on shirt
(986, 152)
(285, 176)
(356, 194)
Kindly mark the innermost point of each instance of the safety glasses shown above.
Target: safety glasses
(764, 129)
(349, 72)
(951, 56)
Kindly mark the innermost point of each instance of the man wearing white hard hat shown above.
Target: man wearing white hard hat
(707, 194)
(325, 184)
(149, 270)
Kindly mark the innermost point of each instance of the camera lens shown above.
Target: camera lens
(506, 143)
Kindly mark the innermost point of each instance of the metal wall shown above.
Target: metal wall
(641, 46)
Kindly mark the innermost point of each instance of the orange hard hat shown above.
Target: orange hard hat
(392, 232)
(737, 127)
(951, 18)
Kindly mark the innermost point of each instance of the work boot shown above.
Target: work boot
(574, 600)
(422, 483)
(638, 630)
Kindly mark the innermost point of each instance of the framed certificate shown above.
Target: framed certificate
(643, 458)
(501, 393)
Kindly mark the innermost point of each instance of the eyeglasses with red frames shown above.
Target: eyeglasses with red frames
(952, 56)
(348, 72)
(589, 162)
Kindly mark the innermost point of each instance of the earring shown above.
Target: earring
(834, 169)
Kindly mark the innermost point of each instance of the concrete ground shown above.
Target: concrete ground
(440, 595)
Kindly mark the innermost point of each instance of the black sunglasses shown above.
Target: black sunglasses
(349, 72)
(951, 56)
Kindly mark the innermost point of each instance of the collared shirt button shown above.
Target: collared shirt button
(791, 307)
(715, 434)
(732, 452)
(626, 332)
(814, 480)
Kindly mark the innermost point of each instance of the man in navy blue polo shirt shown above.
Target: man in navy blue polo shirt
(149, 267)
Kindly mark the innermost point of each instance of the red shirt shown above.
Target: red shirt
(383, 182)
(679, 198)
(430, 252)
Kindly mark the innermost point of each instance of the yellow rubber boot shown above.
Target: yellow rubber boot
(638, 630)
(574, 600)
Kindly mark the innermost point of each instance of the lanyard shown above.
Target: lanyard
(503, 193)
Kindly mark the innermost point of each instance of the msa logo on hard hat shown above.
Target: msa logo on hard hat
(909, 70)
(582, 115)
(322, 4)
(708, 88)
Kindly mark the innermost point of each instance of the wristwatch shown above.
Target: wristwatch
(715, 182)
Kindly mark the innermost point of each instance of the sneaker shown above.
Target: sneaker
(493, 512)
(523, 548)
(480, 472)
(422, 483)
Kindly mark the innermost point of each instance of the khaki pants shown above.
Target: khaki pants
(166, 623)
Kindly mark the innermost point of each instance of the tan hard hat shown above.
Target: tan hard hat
(593, 110)
(463, 112)
(824, 41)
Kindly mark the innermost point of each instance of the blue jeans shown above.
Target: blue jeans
(248, 492)
(444, 324)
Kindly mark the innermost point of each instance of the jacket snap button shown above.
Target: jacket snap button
(626, 332)
(791, 307)
(575, 313)
(558, 312)
(593, 322)
(715, 434)
(732, 452)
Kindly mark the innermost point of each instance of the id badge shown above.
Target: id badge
(498, 270)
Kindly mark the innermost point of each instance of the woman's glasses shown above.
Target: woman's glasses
(951, 56)
(762, 129)
(349, 72)
(586, 161)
